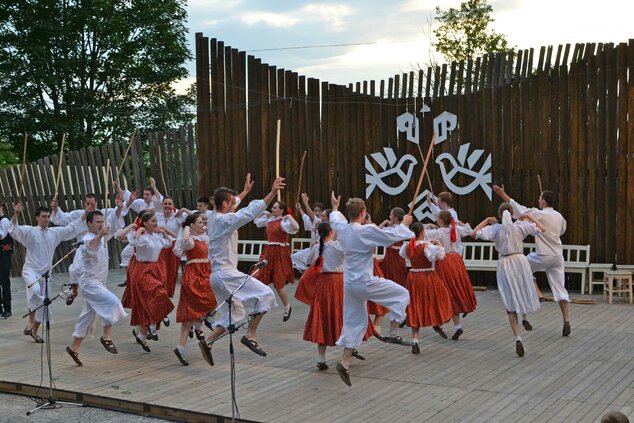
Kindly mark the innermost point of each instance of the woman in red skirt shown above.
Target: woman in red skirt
(196, 297)
(306, 285)
(430, 303)
(451, 269)
(150, 301)
(279, 270)
(325, 318)
(393, 265)
(171, 219)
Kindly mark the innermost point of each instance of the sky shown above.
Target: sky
(394, 35)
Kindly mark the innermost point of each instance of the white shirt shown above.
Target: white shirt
(140, 204)
(223, 234)
(548, 243)
(182, 246)
(311, 226)
(172, 223)
(288, 225)
(4, 227)
(62, 218)
(435, 210)
(508, 236)
(41, 243)
(332, 256)
(148, 247)
(93, 262)
(358, 242)
(432, 252)
(444, 236)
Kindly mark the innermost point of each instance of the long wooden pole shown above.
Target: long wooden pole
(431, 188)
(301, 174)
(106, 199)
(539, 180)
(59, 166)
(127, 150)
(277, 156)
(422, 175)
(160, 160)
(23, 170)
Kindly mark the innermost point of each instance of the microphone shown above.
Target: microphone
(261, 264)
(77, 244)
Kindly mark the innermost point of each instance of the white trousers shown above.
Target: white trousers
(35, 294)
(224, 282)
(355, 308)
(300, 259)
(554, 268)
(97, 301)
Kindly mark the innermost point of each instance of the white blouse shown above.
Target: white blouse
(289, 225)
(432, 252)
(148, 247)
(332, 256)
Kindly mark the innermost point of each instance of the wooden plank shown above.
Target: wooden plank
(629, 236)
(621, 147)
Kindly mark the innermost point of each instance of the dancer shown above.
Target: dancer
(451, 269)
(430, 302)
(393, 265)
(549, 254)
(6, 251)
(325, 318)
(311, 219)
(444, 201)
(196, 296)
(171, 219)
(225, 277)
(98, 300)
(360, 285)
(513, 275)
(150, 301)
(374, 309)
(40, 242)
(152, 198)
(279, 271)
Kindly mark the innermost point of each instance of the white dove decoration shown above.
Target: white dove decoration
(387, 161)
(449, 167)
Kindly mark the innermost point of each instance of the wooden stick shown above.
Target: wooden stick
(277, 156)
(59, 166)
(160, 160)
(422, 175)
(539, 179)
(127, 150)
(431, 188)
(106, 201)
(23, 170)
(301, 173)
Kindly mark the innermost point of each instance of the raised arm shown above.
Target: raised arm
(309, 211)
(481, 225)
(248, 185)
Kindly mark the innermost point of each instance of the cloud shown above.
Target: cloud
(277, 20)
(333, 14)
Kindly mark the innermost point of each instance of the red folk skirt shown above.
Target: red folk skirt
(171, 262)
(430, 302)
(306, 286)
(197, 297)
(373, 308)
(453, 273)
(150, 302)
(279, 270)
(394, 267)
(325, 318)
(126, 298)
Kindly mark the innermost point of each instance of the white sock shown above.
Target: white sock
(181, 348)
(518, 338)
(524, 316)
(198, 324)
(321, 358)
(415, 340)
(153, 327)
(287, 307)
(458, 326)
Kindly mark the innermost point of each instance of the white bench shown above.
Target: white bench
(483, 256)
(250, 250)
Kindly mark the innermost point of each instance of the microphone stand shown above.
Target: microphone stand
(230, 330)
(52, 401)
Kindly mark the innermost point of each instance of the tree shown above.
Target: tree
(465, 34)
(94, 69)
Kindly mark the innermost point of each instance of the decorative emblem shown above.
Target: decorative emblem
(449, 167)
(388, 162)
(423, 209)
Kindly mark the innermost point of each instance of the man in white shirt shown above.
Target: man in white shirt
(360, 284)
(40, 242)
(548, 256)
(225, 276)
(152, 199)
(92, 258)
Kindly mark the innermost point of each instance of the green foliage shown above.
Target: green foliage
(7, 156)
(94, 69)
(465, 34)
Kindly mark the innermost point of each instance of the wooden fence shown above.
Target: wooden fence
(84, 171)
(565, 113)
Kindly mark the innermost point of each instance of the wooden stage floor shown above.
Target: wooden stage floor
(476, 379)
